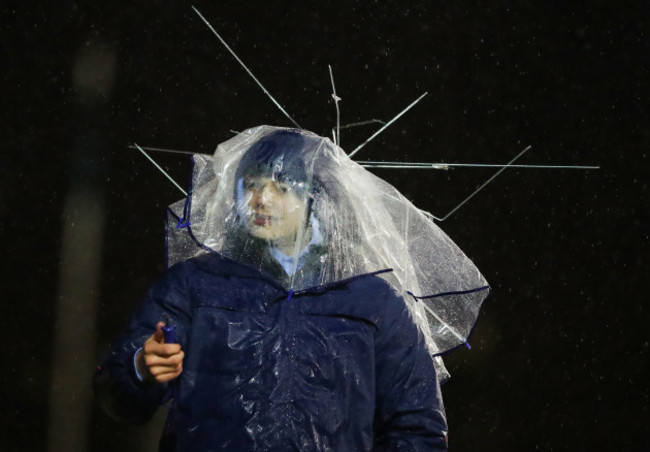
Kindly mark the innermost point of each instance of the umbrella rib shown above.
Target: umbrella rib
(357, 124)
(363, 123)
(245, 68)
(160, 168)
(401, 165)
(446, 166)
(358, 148)
(337, 140)
(446, 325)
(526, 149)
(169, 151)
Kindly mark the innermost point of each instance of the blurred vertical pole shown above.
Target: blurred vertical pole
(74, 340)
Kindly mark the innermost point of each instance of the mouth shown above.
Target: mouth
(262, 220)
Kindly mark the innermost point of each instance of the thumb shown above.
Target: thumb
(158, 335)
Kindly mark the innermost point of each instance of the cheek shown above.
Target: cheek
(294, 204)
(297, 217)
(291, 208)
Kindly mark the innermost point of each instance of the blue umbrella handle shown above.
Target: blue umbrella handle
(169, 334)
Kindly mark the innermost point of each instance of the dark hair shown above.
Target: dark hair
(284, 154)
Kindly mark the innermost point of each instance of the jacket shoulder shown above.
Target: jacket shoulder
(368, 296)
(215, 264)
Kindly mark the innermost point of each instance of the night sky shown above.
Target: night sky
(560, 352)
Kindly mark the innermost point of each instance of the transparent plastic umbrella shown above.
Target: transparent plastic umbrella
(295, 206)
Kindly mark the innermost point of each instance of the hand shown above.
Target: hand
(158, 361)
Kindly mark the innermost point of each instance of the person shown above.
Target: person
(290, 333)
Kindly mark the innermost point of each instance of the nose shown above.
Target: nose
(262, 196)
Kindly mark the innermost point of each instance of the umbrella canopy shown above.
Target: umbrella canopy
(294, 206)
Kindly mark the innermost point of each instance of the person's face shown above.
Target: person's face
(276, 212)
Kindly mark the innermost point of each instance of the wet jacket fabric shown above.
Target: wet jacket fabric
(340, 367)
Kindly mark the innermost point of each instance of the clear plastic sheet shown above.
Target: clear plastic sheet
(294, 205)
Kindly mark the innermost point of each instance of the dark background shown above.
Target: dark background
(559, 356)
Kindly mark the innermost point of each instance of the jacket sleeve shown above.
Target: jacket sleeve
(117, 388)
(409, 414)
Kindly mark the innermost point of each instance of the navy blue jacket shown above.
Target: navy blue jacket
(341, 367)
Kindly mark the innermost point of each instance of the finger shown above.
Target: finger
(159, 371)
(158, 336)
(152, 347)
(165, 361)
(168, 377)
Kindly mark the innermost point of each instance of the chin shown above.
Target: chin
(262, 232)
